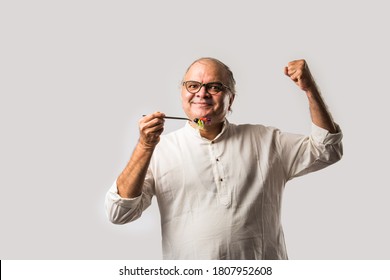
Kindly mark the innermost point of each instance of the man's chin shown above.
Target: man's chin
(202, 111)
(202, 115)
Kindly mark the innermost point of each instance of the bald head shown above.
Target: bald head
(227, 73)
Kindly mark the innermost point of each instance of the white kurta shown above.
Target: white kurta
(221, 199)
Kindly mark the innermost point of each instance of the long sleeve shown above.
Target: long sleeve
(124, 210)
(302, 155)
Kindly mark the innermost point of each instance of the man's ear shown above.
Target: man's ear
(231, 99)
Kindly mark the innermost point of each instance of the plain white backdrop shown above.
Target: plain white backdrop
(75, 77)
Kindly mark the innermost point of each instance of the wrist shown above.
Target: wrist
(146, 147)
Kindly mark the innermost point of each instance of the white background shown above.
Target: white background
(75, 77)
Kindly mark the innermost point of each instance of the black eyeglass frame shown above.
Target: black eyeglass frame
(206, 86)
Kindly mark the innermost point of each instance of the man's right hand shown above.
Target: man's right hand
(151, 127)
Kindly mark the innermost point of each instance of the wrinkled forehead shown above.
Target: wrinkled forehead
(206, 69)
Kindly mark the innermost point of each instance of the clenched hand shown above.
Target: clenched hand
(151, 127)
(299, 72)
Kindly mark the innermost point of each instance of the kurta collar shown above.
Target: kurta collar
(195, 131)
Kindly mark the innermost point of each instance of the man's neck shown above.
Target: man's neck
(211, 131)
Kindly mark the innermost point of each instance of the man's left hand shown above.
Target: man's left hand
(299, 72)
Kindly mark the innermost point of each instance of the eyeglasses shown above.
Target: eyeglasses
(212, 88)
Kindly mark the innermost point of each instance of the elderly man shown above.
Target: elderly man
(219, 187)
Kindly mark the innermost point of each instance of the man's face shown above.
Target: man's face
(203, 104)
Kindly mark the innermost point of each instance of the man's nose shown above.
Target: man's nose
(203, 92)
